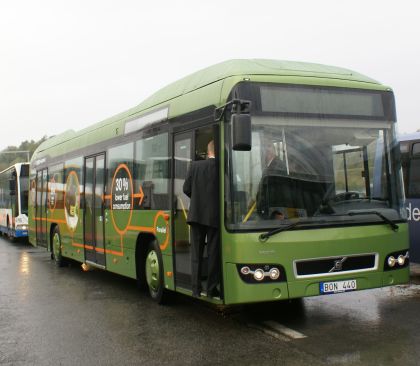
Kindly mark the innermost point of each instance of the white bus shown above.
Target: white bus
(14, 190)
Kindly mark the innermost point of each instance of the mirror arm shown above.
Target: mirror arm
(240, 106)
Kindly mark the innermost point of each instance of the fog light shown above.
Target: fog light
(401, 260)
(274, 273)
(391, 261)
(259, 274)
(245, 270)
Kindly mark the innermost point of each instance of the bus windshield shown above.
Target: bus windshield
(323, 170)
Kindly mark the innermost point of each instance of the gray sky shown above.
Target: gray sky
(68, 64)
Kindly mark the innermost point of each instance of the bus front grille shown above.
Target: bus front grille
(335, 265)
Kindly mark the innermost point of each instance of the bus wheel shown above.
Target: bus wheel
(154, 273)
(56, 248)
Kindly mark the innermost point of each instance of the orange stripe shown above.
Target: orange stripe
(57, 221)
(90, 247)
(141, 228)
(120, 254)
(50, 220)
(100, 250)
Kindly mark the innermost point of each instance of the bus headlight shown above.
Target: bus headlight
(274, 273)
(259, 274)
(401, 260)
(391, 261)
(397, 260)
(245, 270)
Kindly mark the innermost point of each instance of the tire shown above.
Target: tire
(56, 253)
(153, 269)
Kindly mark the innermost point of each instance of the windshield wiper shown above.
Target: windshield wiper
(265, 236)
(391, 223)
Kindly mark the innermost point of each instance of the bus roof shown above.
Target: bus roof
(230, 68)
(211, 76)
(16, 167)
(409, 136)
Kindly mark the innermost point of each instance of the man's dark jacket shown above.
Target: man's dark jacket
(201, 185)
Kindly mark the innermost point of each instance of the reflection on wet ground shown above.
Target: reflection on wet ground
(51, 316)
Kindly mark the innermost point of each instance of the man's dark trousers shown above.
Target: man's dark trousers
(198, 236)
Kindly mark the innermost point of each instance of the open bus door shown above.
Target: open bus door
(187, 146)
(182, 245)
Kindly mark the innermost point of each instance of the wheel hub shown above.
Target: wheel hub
(152, 270)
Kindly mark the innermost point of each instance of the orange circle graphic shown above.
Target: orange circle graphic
(166, 242)
(117, 229)
(52, 183)
(71, 211)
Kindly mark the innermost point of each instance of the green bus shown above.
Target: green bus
(331, 220)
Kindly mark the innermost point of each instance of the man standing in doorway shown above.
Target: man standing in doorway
(201, 185)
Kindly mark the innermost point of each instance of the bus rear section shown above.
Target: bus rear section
(316, 206)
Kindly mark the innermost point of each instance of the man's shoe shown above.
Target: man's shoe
(196, 294)
(214, 293)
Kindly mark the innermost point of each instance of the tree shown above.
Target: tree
(9, 158)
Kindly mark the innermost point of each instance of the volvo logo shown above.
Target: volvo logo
(338, 265)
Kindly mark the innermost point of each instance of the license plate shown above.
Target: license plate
(337, 286)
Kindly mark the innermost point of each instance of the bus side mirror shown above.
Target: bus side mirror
(241, 132)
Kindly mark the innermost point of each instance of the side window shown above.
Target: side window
(414, 179)
(38, 189)
(55, 187)
(349, 170)
(122, 154)
(416, 149)
(2, 192)
(32, 193)
(120, 175)
(24, 189)
(412, 172)
(151, 170)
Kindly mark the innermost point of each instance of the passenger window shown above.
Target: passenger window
(414, 179)
(120, 158)
(416, 149)
(151, 171)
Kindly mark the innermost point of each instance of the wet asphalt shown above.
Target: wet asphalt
(64, 316)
